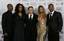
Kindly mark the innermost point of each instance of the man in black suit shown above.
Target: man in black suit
(7, 23)
(31, 29)
(54, 23)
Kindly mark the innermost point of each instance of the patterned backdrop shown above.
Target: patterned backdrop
(59, 6)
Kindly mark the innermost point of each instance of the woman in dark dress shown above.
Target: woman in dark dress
(19, 23)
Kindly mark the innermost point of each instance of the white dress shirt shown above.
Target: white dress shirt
(30, 16)
(51, 13)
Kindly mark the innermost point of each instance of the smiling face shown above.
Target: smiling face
(10, 7)
(30, 10)
(20, 8)
(41, 9)
(51, 7)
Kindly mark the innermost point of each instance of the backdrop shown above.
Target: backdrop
(59, 6)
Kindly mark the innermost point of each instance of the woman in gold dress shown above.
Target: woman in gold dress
(41, 28)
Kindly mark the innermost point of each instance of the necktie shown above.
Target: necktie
(50, 15)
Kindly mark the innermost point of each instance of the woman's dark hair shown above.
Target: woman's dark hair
(23, 8)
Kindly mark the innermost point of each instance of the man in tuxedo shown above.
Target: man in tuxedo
(54, 23)
(31, 29)
(7, 23)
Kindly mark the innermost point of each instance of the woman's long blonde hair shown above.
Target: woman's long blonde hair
(44, 13)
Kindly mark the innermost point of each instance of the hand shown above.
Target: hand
(5, 34)
(2, 36)
(61, 32)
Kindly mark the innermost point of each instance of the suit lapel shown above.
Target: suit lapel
(53, 15)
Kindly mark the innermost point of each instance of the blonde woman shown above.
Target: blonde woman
(41, 28)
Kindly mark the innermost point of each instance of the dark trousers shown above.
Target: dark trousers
(30, 36)
(8, 38)
(53, 36)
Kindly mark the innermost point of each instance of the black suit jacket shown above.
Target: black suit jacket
(7, 22)
(56, 23)
(7, 25)
(31, 29)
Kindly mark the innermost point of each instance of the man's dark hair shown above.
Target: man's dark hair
(30, 7)
(10, 5)
(50, 5)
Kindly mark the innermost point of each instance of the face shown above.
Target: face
(41, 9)
(51, 8)
(20, 8)
(30, 10)
(10, 7)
